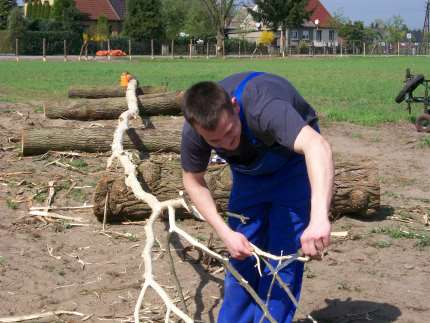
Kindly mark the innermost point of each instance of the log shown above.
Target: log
(40, 140)
(356, 188)
(168, 103)
(111, 91)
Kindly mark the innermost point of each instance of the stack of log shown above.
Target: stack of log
(356, 190)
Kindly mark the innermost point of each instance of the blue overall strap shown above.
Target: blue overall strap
(238, 95)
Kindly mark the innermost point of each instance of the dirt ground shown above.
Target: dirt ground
(380, 273)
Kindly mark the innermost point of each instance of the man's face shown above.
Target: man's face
(227, 133)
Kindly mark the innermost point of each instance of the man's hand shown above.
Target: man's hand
(237, 244)
(316, 238)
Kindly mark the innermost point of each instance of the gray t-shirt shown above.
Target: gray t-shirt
(275, 113)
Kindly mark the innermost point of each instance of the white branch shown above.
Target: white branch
(157, 207)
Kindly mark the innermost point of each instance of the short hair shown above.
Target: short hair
(203, 103)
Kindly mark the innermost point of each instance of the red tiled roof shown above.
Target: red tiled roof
(320, 13)
(97, 8)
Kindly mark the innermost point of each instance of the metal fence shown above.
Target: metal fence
(115, 48)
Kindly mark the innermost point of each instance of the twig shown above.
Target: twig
(70, 189)
(37, 316)
(105, 211)
(50, 251)
(173, 271)
(55, 216)
(241, 217)
(267, 255)
(51, 193)
(34, 208)
(340, 234)
(15, 174)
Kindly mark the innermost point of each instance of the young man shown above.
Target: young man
(282, 173)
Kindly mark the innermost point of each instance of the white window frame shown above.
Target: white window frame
(294, 35)
(331, 34)
(305, 35)
(318, 32)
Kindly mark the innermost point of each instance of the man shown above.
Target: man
(282, 173)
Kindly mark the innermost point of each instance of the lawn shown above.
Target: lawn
(354, 89)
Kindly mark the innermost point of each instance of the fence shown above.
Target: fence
(177, 48)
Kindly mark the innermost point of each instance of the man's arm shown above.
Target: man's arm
(319, 163)
(236, 243)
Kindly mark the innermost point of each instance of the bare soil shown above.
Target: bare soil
(380, 273)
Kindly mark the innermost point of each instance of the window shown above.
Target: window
(331, 35)
(319, 35)
(305, 35)
(294, 35)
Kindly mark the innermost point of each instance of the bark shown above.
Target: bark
(39, 141)
(168, 103)
(111, 91)
(356, 189)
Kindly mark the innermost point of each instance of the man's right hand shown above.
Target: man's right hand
(237, 244)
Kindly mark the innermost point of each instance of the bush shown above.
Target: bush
(5, 45)
(231, 45)
(31, 42)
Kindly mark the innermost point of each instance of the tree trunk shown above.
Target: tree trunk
(39, 141)
(282, 43)
(220, 43)
(356, 189)
(111, 91)
(168, 103)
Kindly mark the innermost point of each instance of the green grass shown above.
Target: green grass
(354, 89)
(422, 239)
(78, 195)
(11, 204)
(40, 197)
(78, 163)
(424, 142)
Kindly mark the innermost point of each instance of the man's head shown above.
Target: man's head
(214, 115)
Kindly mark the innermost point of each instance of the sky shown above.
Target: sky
(412, 11)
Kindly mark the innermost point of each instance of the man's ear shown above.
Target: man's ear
(235, 104)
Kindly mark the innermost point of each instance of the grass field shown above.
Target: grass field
(354, 89)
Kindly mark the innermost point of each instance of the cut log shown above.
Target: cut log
(111, 91)
(356, 189)
(39, 141)
(168, 103)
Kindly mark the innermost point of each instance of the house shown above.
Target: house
(316, 32)
(113, 10)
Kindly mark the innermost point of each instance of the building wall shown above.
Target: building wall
(308, 35)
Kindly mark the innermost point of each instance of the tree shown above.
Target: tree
(66, 13)
(102, 29)
(29, 9)
(46, 10)
(16, 24)
(397, 29)
(143, 20)
(37, 9)
(174, 14)
(282, 14)
(198, 23)
(6, 7)
(220, 12)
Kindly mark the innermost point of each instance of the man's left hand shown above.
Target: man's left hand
(316, 238)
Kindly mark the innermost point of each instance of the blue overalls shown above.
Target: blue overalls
(274, 193)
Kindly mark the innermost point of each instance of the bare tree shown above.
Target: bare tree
(220, 12)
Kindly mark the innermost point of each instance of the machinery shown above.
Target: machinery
(412, 82)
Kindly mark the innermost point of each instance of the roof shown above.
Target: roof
(319, 12)
(96, 8)
(244, 21)
(119, 6)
